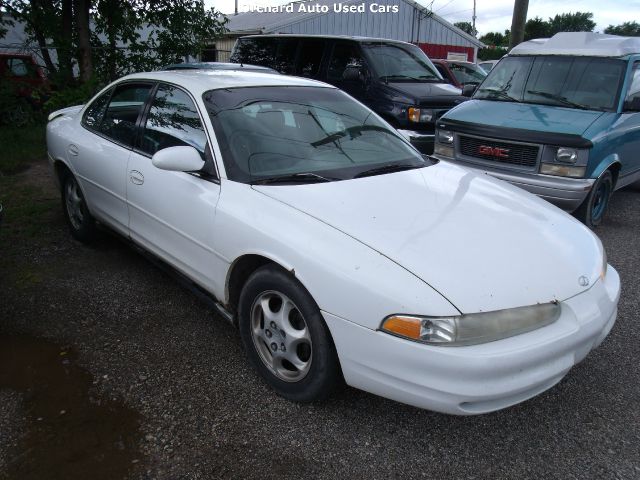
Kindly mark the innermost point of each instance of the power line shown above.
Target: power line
(442, 6)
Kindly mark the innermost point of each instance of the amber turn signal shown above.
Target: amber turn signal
(408, 327)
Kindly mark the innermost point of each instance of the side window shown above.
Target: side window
(93, 114)
(634, 88)
(18, 67)
(119, 122)
(310, 58)
(172, 121)
(286, 55)
(344, 55)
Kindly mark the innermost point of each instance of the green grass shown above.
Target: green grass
(20, 146)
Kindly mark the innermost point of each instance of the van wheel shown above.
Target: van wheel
(596, 204)
(285, 336)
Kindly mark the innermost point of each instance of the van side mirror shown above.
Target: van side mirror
(469, 89)
(632, 105)
(178, 159)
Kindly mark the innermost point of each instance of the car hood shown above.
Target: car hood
(424, 93)
(526, 116)
(482, 243)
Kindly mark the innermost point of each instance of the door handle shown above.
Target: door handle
(136, 177)
(73, 150)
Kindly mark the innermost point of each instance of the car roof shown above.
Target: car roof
(200, 81)
(580, 43)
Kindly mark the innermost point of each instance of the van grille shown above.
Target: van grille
(502, 152)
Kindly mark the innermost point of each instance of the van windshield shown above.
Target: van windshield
(393, 62)
(303, 134)
(588, 83)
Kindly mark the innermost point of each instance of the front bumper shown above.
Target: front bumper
(423, 141)
(566, 193)
(479, 378)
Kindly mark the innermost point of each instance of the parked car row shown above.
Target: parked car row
(337, 249)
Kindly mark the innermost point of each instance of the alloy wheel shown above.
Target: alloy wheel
(281, 336)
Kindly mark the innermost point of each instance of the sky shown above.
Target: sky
(495, 15)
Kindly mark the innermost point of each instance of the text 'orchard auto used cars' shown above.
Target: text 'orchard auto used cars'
(337, 249)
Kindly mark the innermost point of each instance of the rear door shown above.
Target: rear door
(100, 151)
(310, 57)
(172, 213)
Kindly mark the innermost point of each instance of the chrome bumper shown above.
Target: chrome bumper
(566, 193)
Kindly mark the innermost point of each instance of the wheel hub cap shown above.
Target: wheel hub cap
(281, 336)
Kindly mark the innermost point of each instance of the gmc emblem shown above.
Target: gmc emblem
(493, 151)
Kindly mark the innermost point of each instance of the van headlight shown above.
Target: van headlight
(445, 136)
(566, 155)
(471, 329)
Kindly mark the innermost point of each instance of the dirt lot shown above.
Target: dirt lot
(109, 368)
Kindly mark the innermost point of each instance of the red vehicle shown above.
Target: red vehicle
(22, 74)
(460, 73)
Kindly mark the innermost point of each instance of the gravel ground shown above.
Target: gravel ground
(152, 345)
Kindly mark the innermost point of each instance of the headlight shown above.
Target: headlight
(566, 155)
(473, 328)
(562, 170)
(445, 136)
(420, 115)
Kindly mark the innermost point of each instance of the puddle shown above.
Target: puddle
(70, 433)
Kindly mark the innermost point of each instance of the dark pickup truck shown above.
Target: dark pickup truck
(395, 79)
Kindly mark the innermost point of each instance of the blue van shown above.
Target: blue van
(559, 117)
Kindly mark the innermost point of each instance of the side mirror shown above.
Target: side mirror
(632, 105)
(469, 89)
(178, 159)
(353, 73)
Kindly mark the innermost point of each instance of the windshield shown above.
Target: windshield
(589, 83)
(302, 133)
(400, 63)
(467, 73)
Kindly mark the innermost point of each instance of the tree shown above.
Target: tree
(466, 27)
(572, 22)
(496, 39)
(626, 29)
(536, 28)
(110, 38)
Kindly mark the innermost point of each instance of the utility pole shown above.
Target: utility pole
(236, 12)
(518, 22)
(473, 20)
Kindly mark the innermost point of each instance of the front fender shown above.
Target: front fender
(345, 277)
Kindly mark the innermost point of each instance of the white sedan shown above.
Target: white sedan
(337, 250)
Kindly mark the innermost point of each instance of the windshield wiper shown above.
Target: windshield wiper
(559, 98)
(386, 78)
(500, 93)
(389, 168)
(353, 132)
(302, 177)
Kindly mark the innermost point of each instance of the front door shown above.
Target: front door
(347, 70)
(172, 213)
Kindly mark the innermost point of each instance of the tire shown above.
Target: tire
(594, 207)
(81, 223)
(20, 114)
(297, 358)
